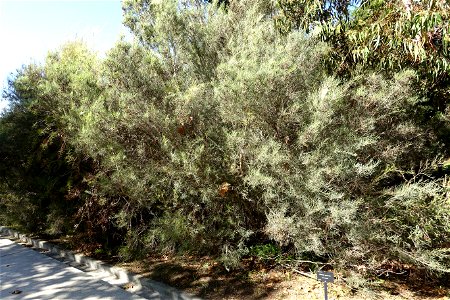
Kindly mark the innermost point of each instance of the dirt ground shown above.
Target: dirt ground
(259, 280)
(208, 279)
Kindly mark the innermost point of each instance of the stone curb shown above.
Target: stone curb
(143, 287)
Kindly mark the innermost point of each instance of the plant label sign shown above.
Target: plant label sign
(325, 277)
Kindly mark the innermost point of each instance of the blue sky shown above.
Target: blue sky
(29, 29)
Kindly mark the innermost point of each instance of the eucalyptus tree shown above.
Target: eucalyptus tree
(385, 36)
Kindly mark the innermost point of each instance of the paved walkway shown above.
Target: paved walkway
(28, 274)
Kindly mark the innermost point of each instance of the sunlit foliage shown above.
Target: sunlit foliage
(213, 132)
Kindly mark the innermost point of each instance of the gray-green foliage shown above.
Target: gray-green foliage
(211, 128)
(233, 104)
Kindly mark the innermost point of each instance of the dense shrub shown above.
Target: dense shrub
(212, 133)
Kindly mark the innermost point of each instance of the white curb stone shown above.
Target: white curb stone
(143, 287)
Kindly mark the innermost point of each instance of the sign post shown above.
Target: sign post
(325, 277)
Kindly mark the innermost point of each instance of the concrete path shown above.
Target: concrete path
(27, 274)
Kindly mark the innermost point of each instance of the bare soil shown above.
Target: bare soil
(257, 279)
(208, 279)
